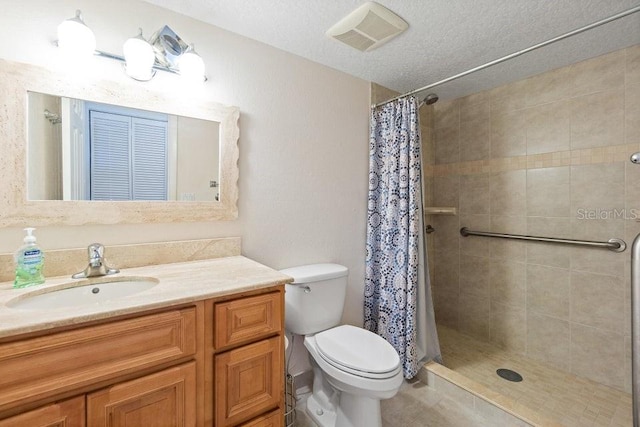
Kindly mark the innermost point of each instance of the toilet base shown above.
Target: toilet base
(353, 411)
(322, 416)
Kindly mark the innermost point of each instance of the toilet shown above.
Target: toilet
(353, 368)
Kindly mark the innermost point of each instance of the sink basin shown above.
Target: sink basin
(85, 293)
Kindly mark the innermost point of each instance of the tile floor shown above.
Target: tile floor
(570, 400)
(415, 405)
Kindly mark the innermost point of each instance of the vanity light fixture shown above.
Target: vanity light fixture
(191, 65)
(75, 38)
(141, 58)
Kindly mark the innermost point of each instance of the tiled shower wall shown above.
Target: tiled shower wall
(543, 156)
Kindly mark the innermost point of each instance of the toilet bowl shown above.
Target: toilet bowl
(353, 368)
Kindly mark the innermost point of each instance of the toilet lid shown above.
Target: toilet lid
(357, 349)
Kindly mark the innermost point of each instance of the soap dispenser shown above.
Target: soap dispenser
(29, 262)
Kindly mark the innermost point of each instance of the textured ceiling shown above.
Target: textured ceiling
(445, 37)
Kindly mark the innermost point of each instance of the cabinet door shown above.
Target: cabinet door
(166, 398)
(49, 365)
(68, 413)
(272, 419)
(248, 381)
(247, 319)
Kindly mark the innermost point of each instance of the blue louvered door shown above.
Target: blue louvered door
(149, 147)
(128, 157)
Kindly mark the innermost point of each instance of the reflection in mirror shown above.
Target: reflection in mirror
(81, 150)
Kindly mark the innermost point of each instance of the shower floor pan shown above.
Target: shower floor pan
(545, 397)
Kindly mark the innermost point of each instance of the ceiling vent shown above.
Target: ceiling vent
(368, 27)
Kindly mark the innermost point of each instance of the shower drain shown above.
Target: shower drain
(509, 375)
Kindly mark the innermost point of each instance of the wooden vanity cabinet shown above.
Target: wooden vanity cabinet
(166, 398)
(249, 360)
(216, 362)
(68, 413)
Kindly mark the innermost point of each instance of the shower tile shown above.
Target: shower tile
(597, 301)
(447, 142)
(598, 229)
(508, 327)
(508, 97)
(548, 291)
(604, 72)
(446, 269)
(478, 98)
(554, 395)
(549, 87)
(447, 232)
(446, 114)
(632, 114)
(474, 276)
(632, 71)
(550, 254)
(474, 194)
(599, 261)
(548, 192)
(473, 111)
(597, 190)
(598, 355)
(507, 283)
(508, 134)
(475, 315)
(597, 120)
(472, 245)
(548, 340)
(548, 128)
(446, 191)
(508, 193)
(503, 248)
(446, 305)
(475, 139)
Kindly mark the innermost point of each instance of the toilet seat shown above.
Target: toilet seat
(358, 352)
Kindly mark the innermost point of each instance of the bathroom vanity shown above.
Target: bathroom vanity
(205, 346)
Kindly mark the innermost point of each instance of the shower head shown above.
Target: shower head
(431, 98)
(635, 158)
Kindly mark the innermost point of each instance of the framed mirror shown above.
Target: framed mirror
(109, 152)
(81, 150)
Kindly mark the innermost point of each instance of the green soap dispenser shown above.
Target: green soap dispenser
(29, 262)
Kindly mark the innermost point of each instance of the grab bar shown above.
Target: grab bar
(616, 245)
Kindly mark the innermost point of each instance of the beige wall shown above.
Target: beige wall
(45, 152)
(303, 137)
(528, 158)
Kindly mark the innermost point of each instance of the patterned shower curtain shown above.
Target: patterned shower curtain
(393, 229)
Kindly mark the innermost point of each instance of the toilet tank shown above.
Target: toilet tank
(315, 299)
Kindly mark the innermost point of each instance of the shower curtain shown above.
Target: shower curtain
(397, 299)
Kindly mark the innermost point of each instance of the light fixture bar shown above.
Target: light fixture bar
(120, 58)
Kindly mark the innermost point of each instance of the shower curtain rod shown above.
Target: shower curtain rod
(518, 53)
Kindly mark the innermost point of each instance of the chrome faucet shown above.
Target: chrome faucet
(97, 263)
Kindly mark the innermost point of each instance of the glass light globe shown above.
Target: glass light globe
(191, 66)
(75, 38)
(139, 57)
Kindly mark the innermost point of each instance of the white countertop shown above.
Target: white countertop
(178, 283)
